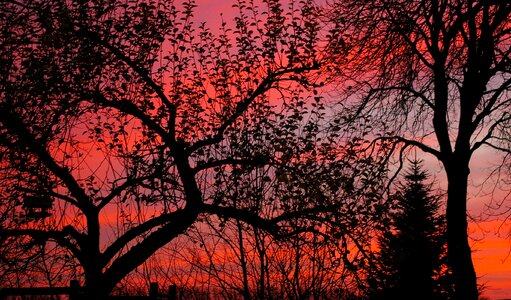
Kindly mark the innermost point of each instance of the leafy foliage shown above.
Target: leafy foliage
(136, 123)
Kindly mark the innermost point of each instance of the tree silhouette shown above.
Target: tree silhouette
(433, 75)
(123, 124)
(412, 249)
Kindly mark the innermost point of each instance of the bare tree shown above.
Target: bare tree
(434, 75)
(255, 265)
(123, 123)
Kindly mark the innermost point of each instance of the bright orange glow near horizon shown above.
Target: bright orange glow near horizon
(492, 259)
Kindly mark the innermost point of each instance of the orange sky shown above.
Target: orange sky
(492, 260)
(491, 253)
(491, 247)
(491, 244)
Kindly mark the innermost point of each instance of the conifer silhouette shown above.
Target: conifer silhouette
(412, 249)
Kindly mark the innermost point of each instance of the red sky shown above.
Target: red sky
(491, 252)
(490, 243)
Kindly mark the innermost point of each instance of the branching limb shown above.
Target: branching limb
(174, 225)
(136, 231)
(131, 109)
(144, 74)
(16, 126)
(117, 191)
(408, 142)
(256, 161)
(242, 106)
(46, 235)
(271, 225)
(490, 106)
(489, 134)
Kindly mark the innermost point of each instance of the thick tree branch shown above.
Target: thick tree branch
(255, 161)
(47, 235)
(271, 225)
(136, 255)
(499, 148)
(15, 126)
(144, 74)
(132, 109)
(137, 231)
(408, 142)
(490, 105)
(406, 89)
(489, 134)
(242, 106)
(128, 183)
(242, 215)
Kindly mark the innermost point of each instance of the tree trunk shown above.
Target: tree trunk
(95, 284)
(459, 253)
(95, 289)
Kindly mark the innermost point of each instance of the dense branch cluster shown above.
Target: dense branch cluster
(134, 124)
(127, 128)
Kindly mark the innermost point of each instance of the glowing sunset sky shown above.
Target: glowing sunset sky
(491, 250)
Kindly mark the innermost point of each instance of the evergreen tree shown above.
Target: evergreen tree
(412, 249)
